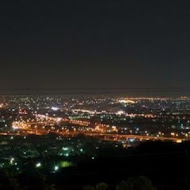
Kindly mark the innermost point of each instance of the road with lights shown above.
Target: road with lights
(39, 128)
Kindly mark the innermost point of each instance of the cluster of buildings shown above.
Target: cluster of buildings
(48, 133)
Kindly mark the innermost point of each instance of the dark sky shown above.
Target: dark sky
(106, 43)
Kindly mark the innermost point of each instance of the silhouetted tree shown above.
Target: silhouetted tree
(101, 186)
(139, 183)
(88, 187)
(122, 186)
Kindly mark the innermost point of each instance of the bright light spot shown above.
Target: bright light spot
(14, 127)
(54, 108)
(38, 165)
(179, 141)
(12, 160)
(65, 164)
(65, 148)
(56, 168)
(131, 140)
(127, 101)
(120, 112)
(59, 119)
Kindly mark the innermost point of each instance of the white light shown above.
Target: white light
(126, 101)
(65, 148)
(56, 168)
(14, 127)
(12, 160)
(38, 165)
(54, 108)
(59, 119)
(120, 112)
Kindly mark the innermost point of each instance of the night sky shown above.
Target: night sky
(94, 44)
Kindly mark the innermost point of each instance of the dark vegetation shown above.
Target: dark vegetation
(166, 166)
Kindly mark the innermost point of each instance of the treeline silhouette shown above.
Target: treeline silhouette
(166, 166)
(133, 183)
(9, 181)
